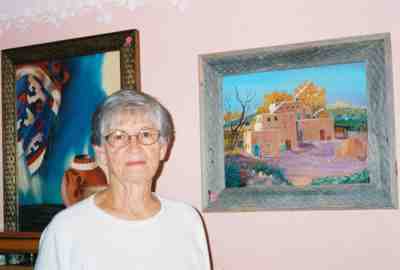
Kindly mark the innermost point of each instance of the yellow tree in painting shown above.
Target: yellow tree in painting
(273, 98)
(311, 96)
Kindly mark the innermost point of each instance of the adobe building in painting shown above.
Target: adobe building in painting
(287, 124)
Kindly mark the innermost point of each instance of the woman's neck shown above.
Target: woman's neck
(131, 202)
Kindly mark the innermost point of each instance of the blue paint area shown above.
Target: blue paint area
(342, 82)
(256, 150)
(71, 134)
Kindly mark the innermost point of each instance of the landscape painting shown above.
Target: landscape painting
(303, 126)
(298, 128)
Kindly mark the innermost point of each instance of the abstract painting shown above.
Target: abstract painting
(53, 95)
(53, 119)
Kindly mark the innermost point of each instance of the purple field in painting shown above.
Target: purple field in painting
(311, 161)
(315, 160)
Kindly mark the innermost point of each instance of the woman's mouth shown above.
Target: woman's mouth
(135, 163)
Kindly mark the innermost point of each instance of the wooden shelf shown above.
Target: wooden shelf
(19, 242)
(15, 267)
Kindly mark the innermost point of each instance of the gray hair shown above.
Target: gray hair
(133, 102)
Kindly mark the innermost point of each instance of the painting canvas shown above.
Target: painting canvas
(53, 121)
(296, 127)
(299, 126)
(54, 97)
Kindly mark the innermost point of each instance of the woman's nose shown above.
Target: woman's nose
(133, 141)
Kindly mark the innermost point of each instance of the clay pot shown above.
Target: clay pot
(82, 179)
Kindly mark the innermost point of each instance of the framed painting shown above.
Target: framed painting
(49, 92)
(302, 126)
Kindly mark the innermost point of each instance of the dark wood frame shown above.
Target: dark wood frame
(130, 79)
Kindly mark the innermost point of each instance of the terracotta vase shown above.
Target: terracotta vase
(82, 179)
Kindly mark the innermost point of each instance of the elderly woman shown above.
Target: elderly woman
(126, 226)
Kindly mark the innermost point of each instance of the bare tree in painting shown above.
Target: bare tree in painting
(236, 120)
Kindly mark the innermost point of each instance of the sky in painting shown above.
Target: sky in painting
(342, 82)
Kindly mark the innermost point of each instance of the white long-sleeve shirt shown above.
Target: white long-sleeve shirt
(84, 237)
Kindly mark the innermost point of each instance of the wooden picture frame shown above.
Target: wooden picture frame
(380, 191)
(126, 46)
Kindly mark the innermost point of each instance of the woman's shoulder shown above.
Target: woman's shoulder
(175, 204)
(179, 208)
(72, 214)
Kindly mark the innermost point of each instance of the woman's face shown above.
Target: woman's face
(133, 162)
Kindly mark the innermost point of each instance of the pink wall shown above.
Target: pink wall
(170, 44)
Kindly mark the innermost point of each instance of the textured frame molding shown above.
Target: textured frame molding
(130, 79)
(381, 192)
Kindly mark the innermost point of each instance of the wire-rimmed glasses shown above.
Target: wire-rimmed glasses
(120, 138)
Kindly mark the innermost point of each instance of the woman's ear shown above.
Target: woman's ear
(164, 152)
(101, 160)
(100, 155)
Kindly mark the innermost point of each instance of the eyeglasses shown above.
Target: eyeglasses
(120, 138)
